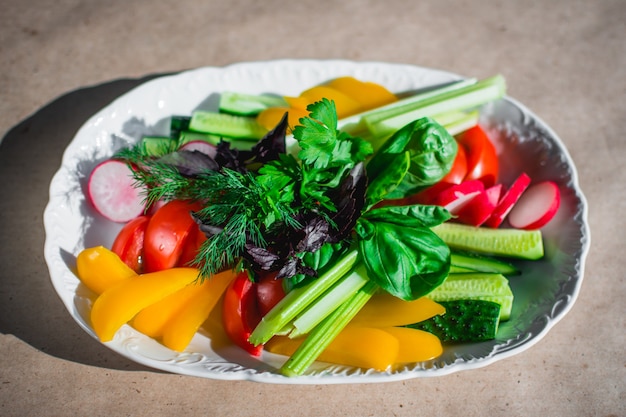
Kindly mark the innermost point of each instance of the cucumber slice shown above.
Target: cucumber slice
(240, 144)
(468, 262)
(178, 124)
(222, 124)
(465, 321)
(248, 104)
(157, 145)
(476, 286)
(513, 243)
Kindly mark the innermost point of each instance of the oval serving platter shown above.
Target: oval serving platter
(544, 292)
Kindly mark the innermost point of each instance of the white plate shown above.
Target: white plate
(544, 293)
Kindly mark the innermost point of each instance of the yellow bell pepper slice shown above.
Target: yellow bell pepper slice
(362, 347)
(385, 310)
(345, 105)
(271, 116)
(119, 304)
(415, 345)
(180, 329)
(370, 95)
(99, 268)
(151, 320)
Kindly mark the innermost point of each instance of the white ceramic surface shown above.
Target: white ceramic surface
(544, 292)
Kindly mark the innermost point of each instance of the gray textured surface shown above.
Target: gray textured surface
(60, 63)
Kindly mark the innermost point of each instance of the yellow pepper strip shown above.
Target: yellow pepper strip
(99, 269)
(415, 345)
(362, 347)
(119, 304)
(270, 117)
(385, 310)
(180, 329)
(151, 320)
(345, 105)
(370, 95)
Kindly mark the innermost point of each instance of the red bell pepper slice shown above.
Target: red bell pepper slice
(240, 313)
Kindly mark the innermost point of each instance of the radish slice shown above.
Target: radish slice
(200, 146)
(453, 198)
(508, 201)
(476, 211)
(536, 207)
(111, 190)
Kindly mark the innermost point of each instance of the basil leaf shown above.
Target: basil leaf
(407, 262)
(397, 165)
(416, 215)
(432, 151)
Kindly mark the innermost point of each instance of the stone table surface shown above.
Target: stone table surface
(63, 61)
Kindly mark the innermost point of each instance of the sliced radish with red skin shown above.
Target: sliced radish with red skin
(200, 146)
(453, 198)
(508, 200)
(536, 207)
(430, 194)
(476, 211)
(112, 191)
(494, 193)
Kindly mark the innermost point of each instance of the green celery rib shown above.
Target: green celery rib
(330, 301)
(410, 103)
(299, 299)
(464, 98)
(325, 332)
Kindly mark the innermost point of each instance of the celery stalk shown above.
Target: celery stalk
(325, 332)
(329, 302)
(464, 98)
(298, 299)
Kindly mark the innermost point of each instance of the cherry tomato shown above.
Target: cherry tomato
(459, 167)
(128, 243)
(269, 292)
(166, 235)
(240, 313)
(482, 159)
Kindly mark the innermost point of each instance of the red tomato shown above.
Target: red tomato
(482, 159)
(166, 234)
(269, 291)
(128, 243)
(459, 167)
(194, 240)
(240, 313)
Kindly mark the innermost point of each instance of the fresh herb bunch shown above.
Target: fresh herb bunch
(265, 207)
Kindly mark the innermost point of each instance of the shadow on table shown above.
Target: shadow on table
(30, 154)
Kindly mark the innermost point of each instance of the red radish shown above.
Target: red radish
(507, 202)
(477, 210)
(453, 198)
(536, 207)
(112, 191)
(200, 146)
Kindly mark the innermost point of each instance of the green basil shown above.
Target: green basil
(407, 262)
(432, 151)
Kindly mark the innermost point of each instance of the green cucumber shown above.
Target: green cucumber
(178, 124)
(187, 136)
(513, 243)
(248, 104)
(228, 125)
(157, 145)
(465, 321)
(468, 262)
(476, 286)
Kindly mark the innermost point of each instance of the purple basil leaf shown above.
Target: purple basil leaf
(189, 163)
